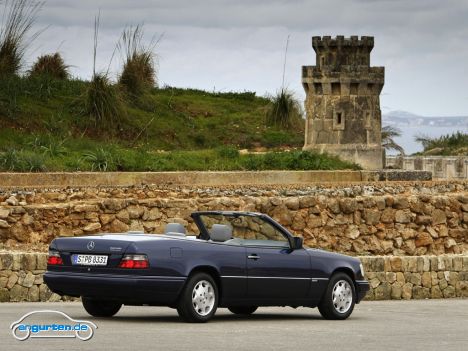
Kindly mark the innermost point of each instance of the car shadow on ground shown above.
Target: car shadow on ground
(256, 317)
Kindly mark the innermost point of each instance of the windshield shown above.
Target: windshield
(246, 230)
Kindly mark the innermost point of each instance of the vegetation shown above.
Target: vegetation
(139, 72)
(114, 158)
(52, 122)
(163, 119)
(51, 66)
(284, 111)
(18, 18)
(454, 144)
(102, 100)
(103, 103)
(388, 141)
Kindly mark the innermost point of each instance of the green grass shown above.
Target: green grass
(114, 158)
(167, 118)
(43, 128)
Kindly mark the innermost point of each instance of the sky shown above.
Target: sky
(239, 45)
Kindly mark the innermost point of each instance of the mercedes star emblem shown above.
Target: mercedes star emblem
(90, 245)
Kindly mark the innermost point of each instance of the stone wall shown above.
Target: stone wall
(390, 277)
(21, 278)
(441, 167)
(409, 277)
(378, 219)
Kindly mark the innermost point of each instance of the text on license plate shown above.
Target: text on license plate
(90, 260)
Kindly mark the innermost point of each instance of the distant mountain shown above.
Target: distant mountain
(407, 119)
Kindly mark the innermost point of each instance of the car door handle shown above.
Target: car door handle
(253, 257)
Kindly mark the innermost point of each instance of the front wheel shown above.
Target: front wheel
(199, 299)
(100, 308)
(245, 310)
(339, 298)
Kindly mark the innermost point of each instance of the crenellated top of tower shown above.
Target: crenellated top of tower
(334, 53)
(319, 43)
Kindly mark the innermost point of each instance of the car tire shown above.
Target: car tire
(243, 310)
(199, 299)
(339, 298)
(100, 308)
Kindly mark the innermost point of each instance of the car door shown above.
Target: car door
(276, 274)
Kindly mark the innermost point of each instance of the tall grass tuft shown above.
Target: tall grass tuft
(284, 110)
(18, 18)
(102, 99)
(51, 65)
(139, 66)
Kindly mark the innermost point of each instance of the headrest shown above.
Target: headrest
(174, 228)
(220, 232)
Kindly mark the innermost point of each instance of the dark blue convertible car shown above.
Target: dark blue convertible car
(238, 260)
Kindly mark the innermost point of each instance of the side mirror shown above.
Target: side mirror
(297, 242)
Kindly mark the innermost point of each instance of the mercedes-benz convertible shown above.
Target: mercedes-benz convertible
(237, 260)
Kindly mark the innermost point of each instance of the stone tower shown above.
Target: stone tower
(343, 100)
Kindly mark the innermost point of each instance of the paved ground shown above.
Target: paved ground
(387, 325)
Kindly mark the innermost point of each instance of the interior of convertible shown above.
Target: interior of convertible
(241, 230)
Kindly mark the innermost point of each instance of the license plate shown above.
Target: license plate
(90, 260)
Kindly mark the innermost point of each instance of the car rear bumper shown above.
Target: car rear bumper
(362, 287)
(125, 288)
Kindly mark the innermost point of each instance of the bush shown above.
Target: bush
(101, 160)
(103, 102)
(22, 161)
(139, 72)
(18, 18)
(450, 144)
(284, 111)
(227, 152)
(50, 65)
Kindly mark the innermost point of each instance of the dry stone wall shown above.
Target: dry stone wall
(410, 277)
(21, 278)
(366, 219)
(405, 277)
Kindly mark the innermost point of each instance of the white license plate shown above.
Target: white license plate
(90, 260)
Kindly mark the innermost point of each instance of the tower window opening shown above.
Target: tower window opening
(318, 88)
(336, 88)
(338, 118)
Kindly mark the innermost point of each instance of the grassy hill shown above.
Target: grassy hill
(43, 127)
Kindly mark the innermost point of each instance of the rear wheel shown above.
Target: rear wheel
(199, 299)
(100, 308)
(339, 298)
(245, 310)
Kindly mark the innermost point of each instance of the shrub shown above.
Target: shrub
(100, 160)
(450, 144)
(21, 161)
(284, 111)
(18, 18)
(103, 102)
(9, 160)
(54, 148)
(50, 65)
(139, 71)
(227, 152)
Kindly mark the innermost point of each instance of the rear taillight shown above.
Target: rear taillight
(134, 262)
(54, 258)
